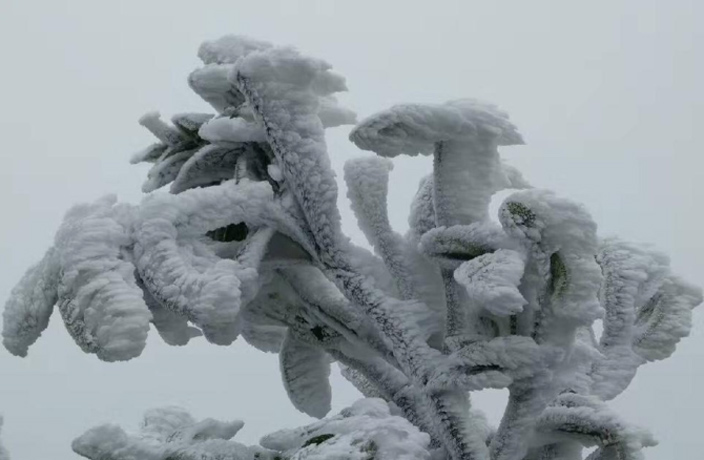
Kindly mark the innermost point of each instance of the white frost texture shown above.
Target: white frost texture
(240, 235)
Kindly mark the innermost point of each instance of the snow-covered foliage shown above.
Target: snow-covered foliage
(168, 433)
(366, 430)
(248, 242)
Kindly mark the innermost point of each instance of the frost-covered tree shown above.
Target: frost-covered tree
(248, 243)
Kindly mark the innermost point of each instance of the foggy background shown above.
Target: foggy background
(607, 94)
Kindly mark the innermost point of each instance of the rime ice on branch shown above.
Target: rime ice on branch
(363, 431)
(248, 243)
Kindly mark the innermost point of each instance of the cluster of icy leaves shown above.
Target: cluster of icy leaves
(367, 430)
(191, 256)
(249, 243)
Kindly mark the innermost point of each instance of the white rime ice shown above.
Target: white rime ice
(366, 430)
(363, 431)
(305, 370)
(492, 280)
(247, 241)
(168, 433)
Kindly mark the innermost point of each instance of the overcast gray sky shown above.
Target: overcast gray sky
(608, 95)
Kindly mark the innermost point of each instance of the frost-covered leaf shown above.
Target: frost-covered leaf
(451, 246)
(149, 154)
(90, 274)
(589, 421)
(99, 299)
(165, 171)
(560, 237)
(190, 122)
(645, 305)
(305, 371)
(210, 82)
(415, 128)
(30, 305)
(489, 364)
(364, 431)
(231, 132)
(208, 166)
(491, 280)
(183, 271)
(666, 318)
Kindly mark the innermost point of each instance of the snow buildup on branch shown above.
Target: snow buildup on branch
(561, 286)
(90, 271)
(228, 131)
(178, 143)
(452, 246)
(183, 271)
(462, 135)
(168, 433)
(588, 421)
(249, 242)
(414, 276)
(489, 364)
(367, 183)
(210, 82)
(561, 239)
(199, 150)
(647, 312)
(99, 299)
(284, 90)
(491, 280)
(366, 430)
(363, 431)
(90, 274)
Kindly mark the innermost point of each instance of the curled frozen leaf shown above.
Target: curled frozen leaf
(489, 364)
(183, 271)
(415, 128)
(561, 241)
(30, 305)
(363, 431)
(99, 299)
(492, 281)
(666, 318)
(644, 304)
(306, 371)
(451, 246)
(210, 165)
(591, 423)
